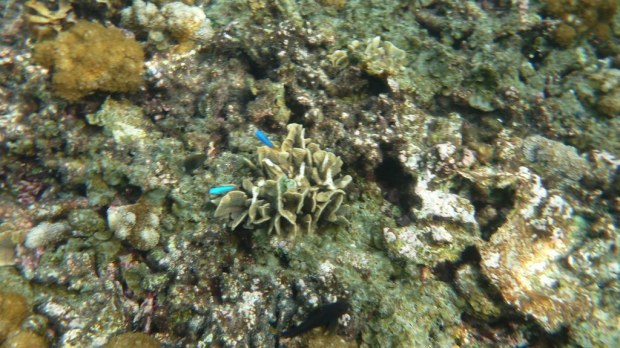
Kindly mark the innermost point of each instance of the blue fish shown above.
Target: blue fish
(263, 138)
(220, 190)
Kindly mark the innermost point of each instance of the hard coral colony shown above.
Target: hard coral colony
(299, 188)
(90, 57)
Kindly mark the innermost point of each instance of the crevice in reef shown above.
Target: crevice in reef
(492, 208)
(376, 85)
(131, 193)
(298, 110)
(502, 331)
(397, 185)
(491, 205)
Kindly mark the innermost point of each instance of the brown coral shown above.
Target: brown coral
(90, 57)
(581, 19)
(14, 309)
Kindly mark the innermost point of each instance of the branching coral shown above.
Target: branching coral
(298, 190)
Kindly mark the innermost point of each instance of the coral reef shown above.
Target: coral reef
(300, 188)
(481, 195)
(381, 58)
(186, 22)
(90, 57)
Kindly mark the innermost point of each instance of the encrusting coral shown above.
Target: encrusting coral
(299, 189)
(90, 57)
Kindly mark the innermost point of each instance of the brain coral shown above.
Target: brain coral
(299, 188)
(90, 57)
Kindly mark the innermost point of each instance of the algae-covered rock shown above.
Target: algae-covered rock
(445, 227)
(524, 258)
(154, 162)
(125, 122)
(85, 319)
(132, 339)
(86, 222)
(609, 104)
(422, 317)
(270, 104)
(559, 160)
(479, 303)
(581, 19)
(300, 188)
(319, 339)
(90, 57)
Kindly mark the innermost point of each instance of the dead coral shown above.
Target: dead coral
(90, 57)
(299, 189)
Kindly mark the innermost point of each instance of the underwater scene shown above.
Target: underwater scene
(309, 173)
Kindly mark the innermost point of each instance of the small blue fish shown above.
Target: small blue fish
(263, 138)
(220, 190)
